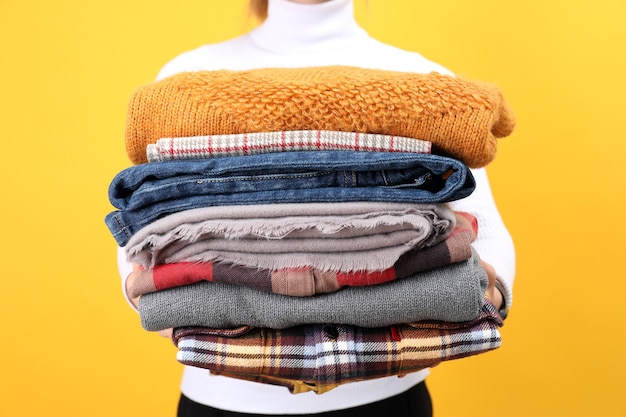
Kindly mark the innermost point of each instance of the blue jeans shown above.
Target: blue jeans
(143, 193)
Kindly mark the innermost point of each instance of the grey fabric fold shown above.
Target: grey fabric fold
(450, 293)
(338, 237)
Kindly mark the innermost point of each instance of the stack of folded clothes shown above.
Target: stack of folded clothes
(291, 225)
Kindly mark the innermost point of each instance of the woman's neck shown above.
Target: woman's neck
(300, 28)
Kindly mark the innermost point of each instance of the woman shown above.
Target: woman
(300, 33)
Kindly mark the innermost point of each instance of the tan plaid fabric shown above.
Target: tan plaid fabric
(323, 356)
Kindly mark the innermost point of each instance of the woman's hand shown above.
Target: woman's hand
(135, 300)
(129, 283)
(492, 293)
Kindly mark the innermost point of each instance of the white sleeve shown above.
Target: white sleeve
(186, 61)
(125, 268)
(494, 243)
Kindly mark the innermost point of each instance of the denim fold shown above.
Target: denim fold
(146, 192)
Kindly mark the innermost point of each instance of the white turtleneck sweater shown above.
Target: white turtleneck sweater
(300, 35)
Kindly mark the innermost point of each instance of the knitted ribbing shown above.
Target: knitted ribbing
(461, 118)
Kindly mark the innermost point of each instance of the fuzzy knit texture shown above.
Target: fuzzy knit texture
(463, 119)
(453, 292)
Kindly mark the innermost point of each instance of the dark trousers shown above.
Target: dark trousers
(415, 402)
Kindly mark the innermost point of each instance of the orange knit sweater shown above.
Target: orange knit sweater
(463, 119)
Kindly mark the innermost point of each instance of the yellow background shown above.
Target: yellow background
(71, 346)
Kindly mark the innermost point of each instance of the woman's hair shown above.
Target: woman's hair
(258, 8)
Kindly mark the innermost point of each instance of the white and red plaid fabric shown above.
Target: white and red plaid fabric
(280, 141)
